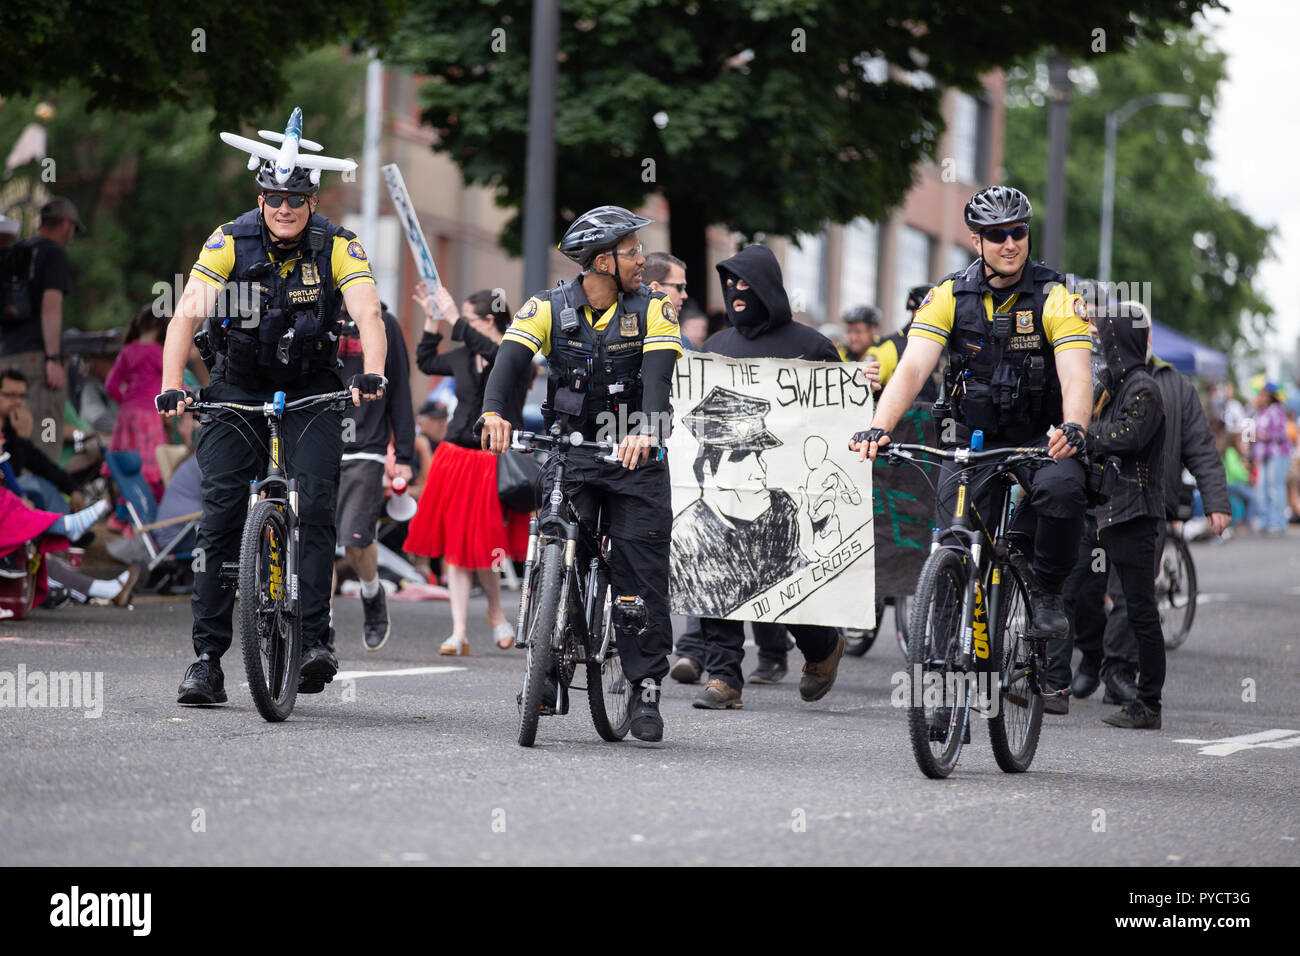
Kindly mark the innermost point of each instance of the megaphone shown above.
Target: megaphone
(401, 506)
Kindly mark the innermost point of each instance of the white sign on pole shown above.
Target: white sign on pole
(411, 227)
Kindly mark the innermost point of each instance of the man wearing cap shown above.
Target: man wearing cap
(30, 337)
(763, 525)
(269, 288)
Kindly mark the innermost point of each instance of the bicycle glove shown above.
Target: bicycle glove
(871, 435)
(368, 384)
(1075, 436)
(170, 400)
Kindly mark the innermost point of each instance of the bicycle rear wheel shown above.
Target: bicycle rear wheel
(1014, 729)
(858, 640)
(901, 613)
(1176, 590)
(543, 606)
(270, 635)
(608, 690)
(938, 720)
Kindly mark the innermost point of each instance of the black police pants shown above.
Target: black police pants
(1084, 597)
(1120, 650)
(232, 451)
(1131, 551)
(638, 504)
(726, 645)
(1050, 512)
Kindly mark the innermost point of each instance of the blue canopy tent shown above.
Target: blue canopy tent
(1188, 355)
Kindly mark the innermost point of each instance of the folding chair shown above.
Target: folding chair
(142, 511)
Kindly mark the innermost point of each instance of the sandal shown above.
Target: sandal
(454, 647)
(505, 635)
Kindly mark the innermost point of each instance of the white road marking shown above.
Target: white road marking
(400, 672)
(1225, 746)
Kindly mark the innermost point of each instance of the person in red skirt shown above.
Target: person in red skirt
(460, 516)
(134, 381)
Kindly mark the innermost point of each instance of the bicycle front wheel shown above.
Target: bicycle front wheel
(543, 606)
(1176, 591)
(270, 634)
(938, 712)
(608, 691)
(1014, 728)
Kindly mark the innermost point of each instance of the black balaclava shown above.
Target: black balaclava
(755, 313)
(767, 307)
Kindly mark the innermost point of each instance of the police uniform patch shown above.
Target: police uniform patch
(627, 325)
(355, 250)
(527, 310)
(669, 313)
(215, 241)
(929, 297)
(1025, 321)
(1080, 310)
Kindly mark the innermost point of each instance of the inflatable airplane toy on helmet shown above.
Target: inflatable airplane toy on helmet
(287, 156)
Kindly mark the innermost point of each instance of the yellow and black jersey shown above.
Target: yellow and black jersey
(531, 325)
(1065, 319)
(216, 261)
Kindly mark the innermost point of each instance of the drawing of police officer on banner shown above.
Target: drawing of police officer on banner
(772, 514)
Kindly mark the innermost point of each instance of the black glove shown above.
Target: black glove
(871, 435)
(1075, 435)
(368, 384)
(170, 400)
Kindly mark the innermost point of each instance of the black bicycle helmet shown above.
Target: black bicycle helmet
(997, 205)
(599, 230)
(915, 296)
(299, 180)
(862, 313)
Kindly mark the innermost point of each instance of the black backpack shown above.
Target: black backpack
(17, 270)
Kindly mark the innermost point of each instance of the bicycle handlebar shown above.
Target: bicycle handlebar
(272, 407)
(530, 441)
(964, 455)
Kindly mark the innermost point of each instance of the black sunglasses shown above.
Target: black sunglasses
(999, 236)
(679, 286)
(274, 201)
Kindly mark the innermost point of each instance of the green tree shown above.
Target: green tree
(773, 124)
(136, 55)
(1173, 229)
(152, 186)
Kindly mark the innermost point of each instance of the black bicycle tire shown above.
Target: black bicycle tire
(274, 706)
(858, 646)
(596, 682)
(1013, 759)
(1173, 642)
(933, 767)
(901, 613)
(544, 603)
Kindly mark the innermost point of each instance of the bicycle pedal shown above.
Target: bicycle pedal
(229, 574)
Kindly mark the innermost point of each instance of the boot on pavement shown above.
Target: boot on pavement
(647, 723)
(718, 695)
(318, 668)
(818, 678)
(204, 683)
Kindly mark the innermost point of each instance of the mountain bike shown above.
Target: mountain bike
(266, 574)
(567, 614)
(971, 624)
(1176, 589)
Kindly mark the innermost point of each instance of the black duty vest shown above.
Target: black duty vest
(1002, 375)
(592, 374)
(274, 330)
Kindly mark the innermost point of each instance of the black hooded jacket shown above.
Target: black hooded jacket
(768, 331)
(1131, 425)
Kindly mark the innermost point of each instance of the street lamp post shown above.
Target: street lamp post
(1114, 121)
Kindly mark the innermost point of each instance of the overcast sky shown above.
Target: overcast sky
(1256, 139)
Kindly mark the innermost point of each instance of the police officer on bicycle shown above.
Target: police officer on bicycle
(1019, 370)
(268, 288)
(611, 344)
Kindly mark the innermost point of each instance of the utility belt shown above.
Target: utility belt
(279, 350)
(1009, 397)
(587, 407)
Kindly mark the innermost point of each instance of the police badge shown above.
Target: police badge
(309, 274)
(1024, 322)
(628, 325)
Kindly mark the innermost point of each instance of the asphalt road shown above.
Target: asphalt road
(424, 768)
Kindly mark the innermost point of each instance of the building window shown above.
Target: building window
(858, 264)
(913, 265)
(805, 275)
(970, 137)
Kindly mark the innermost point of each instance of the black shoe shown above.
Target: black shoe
(939, 725)
(203, 684)
(1135, 715)
(1121, 688)
(13, 567)
(1056, 701)
(1048, 614)
(58, 596)
(376, 627)
(686, 671)
(647, 724)
(318, 668)
(768, 672)
(1084, 684)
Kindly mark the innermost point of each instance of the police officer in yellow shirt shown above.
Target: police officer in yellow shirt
(611, 345)
(269, 287)
(1019, 368)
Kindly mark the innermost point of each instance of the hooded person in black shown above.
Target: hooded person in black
(1131, 427)
(761, 326)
